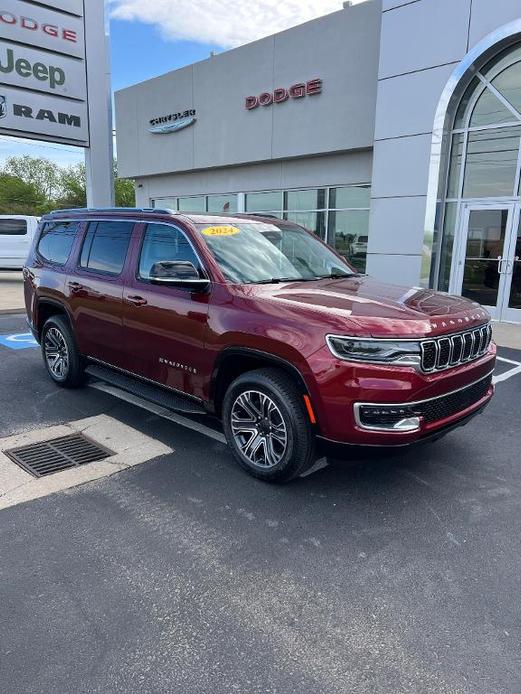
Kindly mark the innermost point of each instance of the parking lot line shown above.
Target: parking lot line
(507, 375)
(509, 361)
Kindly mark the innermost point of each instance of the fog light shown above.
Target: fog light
(387, 418)
(407, 424)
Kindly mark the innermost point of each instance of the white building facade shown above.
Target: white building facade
(390, 128)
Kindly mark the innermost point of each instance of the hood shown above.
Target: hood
(366, 307)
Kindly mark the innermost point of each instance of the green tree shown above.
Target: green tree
(19, 197)
(50, 186)
(73, 189)
(124, 192)
(39, 172)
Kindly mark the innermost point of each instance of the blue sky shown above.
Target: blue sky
(151, 37)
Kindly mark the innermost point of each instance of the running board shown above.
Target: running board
(147, 391)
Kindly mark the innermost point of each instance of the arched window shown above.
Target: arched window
(484, 156)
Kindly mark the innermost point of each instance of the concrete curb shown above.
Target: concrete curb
(12, 311)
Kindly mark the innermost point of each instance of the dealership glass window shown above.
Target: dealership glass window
(105, 247)
(192, 204)
(350, 197)
(311, 199)
(264, 202)
(348, 230)
(485, 155)
(314, 221)
(13, 227)
(338, 215)
(56, 241)
(165, 203)
(222, 203)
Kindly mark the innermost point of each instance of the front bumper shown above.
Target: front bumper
(341, 450)
(359, 404)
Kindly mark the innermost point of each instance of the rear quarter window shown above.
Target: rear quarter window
(56, 241)
(13, 227)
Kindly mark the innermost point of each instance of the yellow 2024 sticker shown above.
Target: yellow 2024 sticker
(223, 230)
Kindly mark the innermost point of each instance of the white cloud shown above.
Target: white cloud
(225, 23)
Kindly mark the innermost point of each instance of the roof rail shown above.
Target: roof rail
(113, 209)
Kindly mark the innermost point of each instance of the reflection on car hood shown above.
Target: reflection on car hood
(366, 306)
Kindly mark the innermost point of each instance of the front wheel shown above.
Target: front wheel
(63, 361)
(267, 427)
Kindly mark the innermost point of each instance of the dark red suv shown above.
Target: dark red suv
(257, 321)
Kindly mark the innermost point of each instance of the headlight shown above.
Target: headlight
(375, 351)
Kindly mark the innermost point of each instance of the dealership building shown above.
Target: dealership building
(391, 128)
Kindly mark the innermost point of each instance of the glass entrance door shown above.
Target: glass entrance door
(511, 310)
(487, 266)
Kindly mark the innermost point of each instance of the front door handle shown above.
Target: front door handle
(136, 300)
(75, 286)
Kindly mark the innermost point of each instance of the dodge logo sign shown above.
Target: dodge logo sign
(278, 96)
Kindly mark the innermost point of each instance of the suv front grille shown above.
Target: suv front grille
(452, 350)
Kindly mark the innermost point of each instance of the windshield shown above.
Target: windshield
(255, 252)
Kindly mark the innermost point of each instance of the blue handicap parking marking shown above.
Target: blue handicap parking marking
(18, 341)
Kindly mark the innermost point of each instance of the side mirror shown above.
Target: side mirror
(178, 273)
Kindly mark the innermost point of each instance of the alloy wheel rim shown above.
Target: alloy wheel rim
(259, 429)
(56, 353)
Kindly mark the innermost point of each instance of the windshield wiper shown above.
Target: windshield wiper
(278, 280)
(338, 276)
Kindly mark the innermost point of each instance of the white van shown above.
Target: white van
(16, 235)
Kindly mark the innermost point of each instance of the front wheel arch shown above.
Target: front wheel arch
(235, 361)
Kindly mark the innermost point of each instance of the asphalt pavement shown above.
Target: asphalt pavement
(389, 574)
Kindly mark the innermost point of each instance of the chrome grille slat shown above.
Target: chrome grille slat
(446, 351)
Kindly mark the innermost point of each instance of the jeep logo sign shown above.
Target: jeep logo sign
(43, 68)
(9, 63)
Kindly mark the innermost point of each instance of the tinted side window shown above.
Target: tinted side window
(105, 246)
(13, 227)
(56, 241)
(163, 242)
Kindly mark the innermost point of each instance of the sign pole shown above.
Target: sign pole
(99, 156)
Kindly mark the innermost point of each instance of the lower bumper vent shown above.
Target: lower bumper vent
(55, 455)
(407, 416)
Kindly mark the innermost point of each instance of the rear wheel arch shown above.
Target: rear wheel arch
(45, 309)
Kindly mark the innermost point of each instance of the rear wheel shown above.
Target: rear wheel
(267, 427)
(63, 361)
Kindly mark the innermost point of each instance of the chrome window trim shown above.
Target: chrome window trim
(83, 219)
(358, 405)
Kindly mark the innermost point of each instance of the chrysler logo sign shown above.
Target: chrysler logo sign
(172, 123)
(3, 107)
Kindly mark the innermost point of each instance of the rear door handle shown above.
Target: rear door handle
(136, 300)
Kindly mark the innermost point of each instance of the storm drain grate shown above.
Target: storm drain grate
(55, 455)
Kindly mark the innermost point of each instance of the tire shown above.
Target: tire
(57, 335)
(287, 449)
